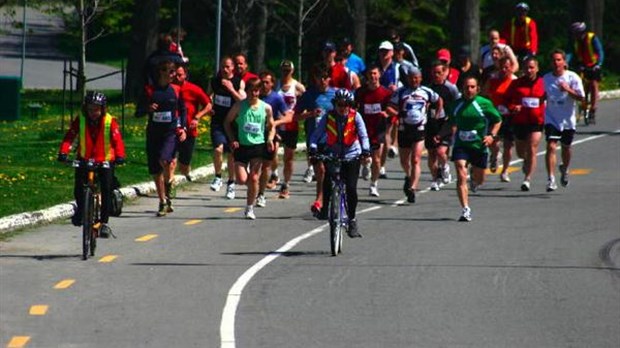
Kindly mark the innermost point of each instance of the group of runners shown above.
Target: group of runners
(368, 113)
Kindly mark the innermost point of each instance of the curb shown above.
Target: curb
(65, 210)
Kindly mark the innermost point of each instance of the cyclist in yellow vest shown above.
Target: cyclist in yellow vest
(587, 49)
(521, 33)
(99, 140)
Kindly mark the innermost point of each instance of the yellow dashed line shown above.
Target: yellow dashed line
(193, 222)
(18, 342)
(579, 171)
(64, 284)
(38, 309)
(231, 210)
(108, 258)
(146, 238)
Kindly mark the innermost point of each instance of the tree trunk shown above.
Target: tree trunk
(81, 78)
(261, 36)
(595, 10)
(300, 37)
(360, 19)
(471, 28)
(143, 40)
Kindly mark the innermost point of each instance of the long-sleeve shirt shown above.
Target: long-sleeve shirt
(349, 152)
(116, 141)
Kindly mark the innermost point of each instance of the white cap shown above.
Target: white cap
(386, 45)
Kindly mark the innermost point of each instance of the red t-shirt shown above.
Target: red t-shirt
(530, 95)
(248, 75)
(370, 104)
(195, 98)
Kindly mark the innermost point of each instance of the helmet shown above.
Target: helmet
(342, 95)
(95, 97)
(522, 6)
(577, 27)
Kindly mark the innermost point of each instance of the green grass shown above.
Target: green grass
(30, 177)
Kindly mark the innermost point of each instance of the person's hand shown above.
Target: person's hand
(181, 134)
(228, 85)
(234, 145)
(153, 107)
(270, 146)
(62, 157)
(488, 140)
(119, 161)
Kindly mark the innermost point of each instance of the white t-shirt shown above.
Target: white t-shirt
(414, 104)
(561, 108)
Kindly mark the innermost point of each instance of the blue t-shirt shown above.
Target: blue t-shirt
(312, 99)
(278, 106)
(356, 64)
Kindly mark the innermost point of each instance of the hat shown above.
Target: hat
(464, 51)
(386, 45)
(408, 70)
(444, 54)
(329, 46)
(287, 64)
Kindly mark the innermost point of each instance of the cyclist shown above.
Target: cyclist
(475, 123)
(587, 49)
(521, 32)
(99, 140)
(347, 139)
(563, 87)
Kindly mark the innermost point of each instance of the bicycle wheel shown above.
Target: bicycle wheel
(95, 232)
(335, 232)
(87, 222)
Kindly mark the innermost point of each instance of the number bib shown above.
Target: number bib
(162, 117)
(251, 128)
(371, 109)
(223, 100)
(530, 102)
(471, 135)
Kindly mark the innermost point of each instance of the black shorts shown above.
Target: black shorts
(505, 130)
(592, 74)
(289, 139)
(565, 137)
(433, 128)
(244, 154)
(477, 158)
(218, 136)
(410, 134)
(186, 150)
(522, 131)
(160, 146)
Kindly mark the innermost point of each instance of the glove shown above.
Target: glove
(119, 161)
(62, 157)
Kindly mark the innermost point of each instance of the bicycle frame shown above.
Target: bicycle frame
(337, 212)
(585, 106)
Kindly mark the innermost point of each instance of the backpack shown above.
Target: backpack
(117, 198)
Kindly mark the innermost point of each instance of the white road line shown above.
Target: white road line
(227, 325)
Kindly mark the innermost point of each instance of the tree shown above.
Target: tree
(595, 9)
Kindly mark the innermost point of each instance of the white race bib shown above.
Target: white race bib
(471, 135)
(162, 117)
(371, 109)
(530, 102)
(251, 128)
(223, 100)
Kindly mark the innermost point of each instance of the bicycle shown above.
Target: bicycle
(585, 106)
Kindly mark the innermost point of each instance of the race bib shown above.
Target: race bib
(371, 109)
(530, 102)
(471, 135)
(162, 117)
(251, 128)
(223, 100)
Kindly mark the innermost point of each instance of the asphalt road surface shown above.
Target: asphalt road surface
(533, 269)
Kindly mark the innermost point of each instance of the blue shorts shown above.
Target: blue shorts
(477, 158)
(160, 146)
(218, 136)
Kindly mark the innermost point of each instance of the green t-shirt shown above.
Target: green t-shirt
(251, 123)
(472, 119)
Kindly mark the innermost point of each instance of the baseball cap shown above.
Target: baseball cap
(386, 45)
(444, 54)
(287, 64)
(329, 46)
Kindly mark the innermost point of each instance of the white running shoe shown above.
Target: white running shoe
(465, 215)
(551, 185)
(504, 177)
(392, 152)
(366, 172)
(216, 184)
(446, 177)
(525, 186)
(261, 201)
(249, 213)
(435, 185)
(308, 175)
(230, 191)
(373, 191)
(382, 174)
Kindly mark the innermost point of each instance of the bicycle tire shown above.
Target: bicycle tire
(335, 232)
(96, 218)
(87, 222)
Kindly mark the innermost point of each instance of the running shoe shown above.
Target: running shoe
(230, 191)
(551, 185)
(493, 164)
(170, 190)
(563, 175)
(162, 209)
(308, 175)
(366, 172)
(465, 215)
(261, 201)
(169, 208)
(382, 173)
(373, 191)
(411, 195)
(504, 177)
(216, 184)
(76, 219)
(473, 187)
(435, 185)
(392, 152)
(284, 194)
(525, 186)
(273, 181)
(406, 185)
(315, 208)
(352, 231)
(446, 177)
(249, 213)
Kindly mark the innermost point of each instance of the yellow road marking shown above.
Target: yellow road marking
(231, 210)
(38, 309)
(64, 284)
(193, 222)
(108, 258)
(146, 238)
(18, 342)
(499, 170)
(579, 171)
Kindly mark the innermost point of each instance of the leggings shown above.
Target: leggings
(349, 171)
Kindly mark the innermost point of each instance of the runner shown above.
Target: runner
(227, 88)
(486, 58)
(521, 33)
(372, 100)
(390, 79)
(241, 68)
(444, 55)
(525, 99)
(252, 141)
(465, 66)
(412, 103)
(340, 76)
(290, 89)
(563, 88)
(354, 62)
(475, 123)
(409, 54)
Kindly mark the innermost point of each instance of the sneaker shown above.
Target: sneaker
(473, 187)
(315, 208)
(406, 184)
(162, 209)
(563, 175)
(261, 201)
(504, 177)
(392, 152)
(465, 215)
(435, 185)
(411, 195)
(170, 190)
(446, 177)
(273, 181)
(230, 191)
(105, 231)
(76, 219)
(366, 172)
(373, 191)
(493, 164)
(308, 175)
(169, 208)
(249, 213)
(382, 173)
(284, 194)
(216, 184)
(352, 230)
(551, 185)
(525, 186)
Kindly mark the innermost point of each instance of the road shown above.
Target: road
(533, 269)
